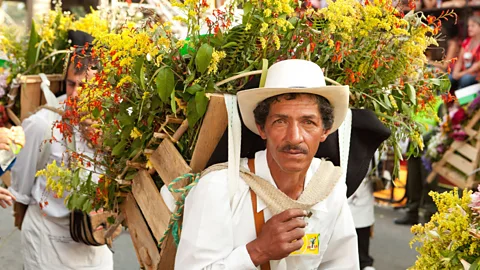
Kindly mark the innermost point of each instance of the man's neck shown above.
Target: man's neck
(292, 184)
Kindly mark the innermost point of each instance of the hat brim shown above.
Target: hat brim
(338, 96)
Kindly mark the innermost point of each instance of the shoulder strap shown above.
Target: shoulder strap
(52, 105)
(257, 216)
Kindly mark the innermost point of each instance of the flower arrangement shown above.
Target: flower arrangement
(148, 75)
(42, 49)
(451, 239)
(451, 129)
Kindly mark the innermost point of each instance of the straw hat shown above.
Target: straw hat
(294, 76)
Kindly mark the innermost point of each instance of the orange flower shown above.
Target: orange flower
(431, 19)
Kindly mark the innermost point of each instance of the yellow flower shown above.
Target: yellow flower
(264, 27)
(217, 56)
(135, 133)
(263, 41)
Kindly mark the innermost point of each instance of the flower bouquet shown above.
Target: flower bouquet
(148, 75)
(41, 50)
(455, 135)
(451, 239)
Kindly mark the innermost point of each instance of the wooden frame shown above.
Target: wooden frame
(147, 216)
(463, 156)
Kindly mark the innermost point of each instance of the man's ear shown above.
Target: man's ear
(261, 132)
(324, 136)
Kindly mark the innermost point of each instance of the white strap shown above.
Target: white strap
(234, 141)
(344, 133)
(49, 96)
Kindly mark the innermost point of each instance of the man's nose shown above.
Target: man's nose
(294, 134)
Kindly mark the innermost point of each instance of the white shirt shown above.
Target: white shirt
(215, 234)
(29, 189)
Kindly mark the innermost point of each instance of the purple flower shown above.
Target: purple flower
(441, 148)
(427, 163)
(459, 135)
(474, 105)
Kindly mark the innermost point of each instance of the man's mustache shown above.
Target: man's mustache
(294, 147)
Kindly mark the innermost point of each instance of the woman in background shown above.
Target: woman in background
(467, 67)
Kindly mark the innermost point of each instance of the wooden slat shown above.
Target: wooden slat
(6, 178)
(167, 254)
(460, 163)
(151, 203)
(169, 163)
(467, 150)
(143, 242)
(451, 175)
(213, 126)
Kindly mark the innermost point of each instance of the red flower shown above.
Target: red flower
(459, 116)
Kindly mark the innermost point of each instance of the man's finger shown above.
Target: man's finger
(293, 224)
(294, 246)
(4, 146)
(290, 213)
(3, 204)
(295, 234)
(5, 191)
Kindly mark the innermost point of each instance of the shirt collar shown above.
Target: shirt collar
(262, 170)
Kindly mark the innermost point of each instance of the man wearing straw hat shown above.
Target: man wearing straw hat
(289, 209)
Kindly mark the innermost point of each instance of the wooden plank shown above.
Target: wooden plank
(460, 163)
(167, 254)
(6, 178)
(145, 246)
(467, 150)
(151, 203)
(452, 176)
(214, 125)
(169, 164)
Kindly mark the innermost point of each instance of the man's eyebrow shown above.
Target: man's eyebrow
(310, 116)
(70, 81)
(279, 115)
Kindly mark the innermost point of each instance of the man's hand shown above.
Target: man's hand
(18, 136)
(6, 198)
(5, 139)
(280, 236)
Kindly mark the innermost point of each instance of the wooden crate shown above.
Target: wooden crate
(31, 96)
(460, 161)
(147, 216)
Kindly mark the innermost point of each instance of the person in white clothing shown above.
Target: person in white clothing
(45, 234)
(294, 213)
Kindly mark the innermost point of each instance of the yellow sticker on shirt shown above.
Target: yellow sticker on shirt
(311, 243)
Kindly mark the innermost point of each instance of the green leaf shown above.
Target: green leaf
(165, 83)
(87, 206)
(126, 132)
(201, 102)
(475, 265)
(412, 95)
(203, 57)
(230, 44)
(387, 101)
(192, 114)
(139, 71)
(76, 178)
(32, 56)
(406, 109)
(173, 102)
(80, 202)
(375, 105)
(96, 113)
(194, 89)
(134, 152)
(120, 147)
(111, 219)
(263, 78)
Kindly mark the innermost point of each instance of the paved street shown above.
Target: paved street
(389, 247)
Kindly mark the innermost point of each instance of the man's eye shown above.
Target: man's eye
(279, 121)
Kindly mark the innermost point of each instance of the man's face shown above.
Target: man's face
(74, 81)
(293, 131)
